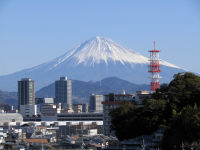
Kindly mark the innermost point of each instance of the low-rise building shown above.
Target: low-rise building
(10, 117)
(143, 95)
(80, 117)
(89, 128)
(28, 110)
(49, 112)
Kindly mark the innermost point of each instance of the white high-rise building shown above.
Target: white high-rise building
(63, 92)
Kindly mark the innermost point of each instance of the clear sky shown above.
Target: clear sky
(35, 31)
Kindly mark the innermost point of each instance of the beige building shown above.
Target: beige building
(49, 112)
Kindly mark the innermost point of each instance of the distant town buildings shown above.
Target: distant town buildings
(95, 104)
(63, 92)
(17, 134)
(52, 119)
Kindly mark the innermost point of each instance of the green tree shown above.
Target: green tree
(184, 99)
(184, 90)
(161, 93)
(122, 119)
(184, 129)
(130, 121)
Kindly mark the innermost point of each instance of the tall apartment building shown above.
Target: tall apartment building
(63, 92)
(95, 104)
(113, 101)
(26, 97)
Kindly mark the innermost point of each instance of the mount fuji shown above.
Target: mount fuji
(95, 59)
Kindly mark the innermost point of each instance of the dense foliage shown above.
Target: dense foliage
(130, 121)
(184, 90)
(174, 107)
(184, 129)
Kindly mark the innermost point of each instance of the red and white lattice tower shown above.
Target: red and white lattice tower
(154, 68)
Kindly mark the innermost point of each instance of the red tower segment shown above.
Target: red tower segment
(154, 68)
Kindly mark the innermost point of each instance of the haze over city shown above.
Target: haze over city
(33, 32)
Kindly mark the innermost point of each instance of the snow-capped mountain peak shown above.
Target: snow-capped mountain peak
(99, 49)
(103, 50)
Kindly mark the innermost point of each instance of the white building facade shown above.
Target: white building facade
(28, 110)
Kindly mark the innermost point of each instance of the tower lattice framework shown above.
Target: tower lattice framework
(154, 68)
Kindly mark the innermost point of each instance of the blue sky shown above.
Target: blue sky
(34, 31)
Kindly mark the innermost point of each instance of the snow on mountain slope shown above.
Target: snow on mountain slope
(98, 50)
(94, 59)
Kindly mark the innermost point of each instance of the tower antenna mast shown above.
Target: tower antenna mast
(154, 68)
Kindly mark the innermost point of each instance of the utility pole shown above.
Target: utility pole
(143, 145)
(124, 148)
(42, 146)
(182, 146)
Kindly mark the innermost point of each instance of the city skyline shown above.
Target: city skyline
(51, 28)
